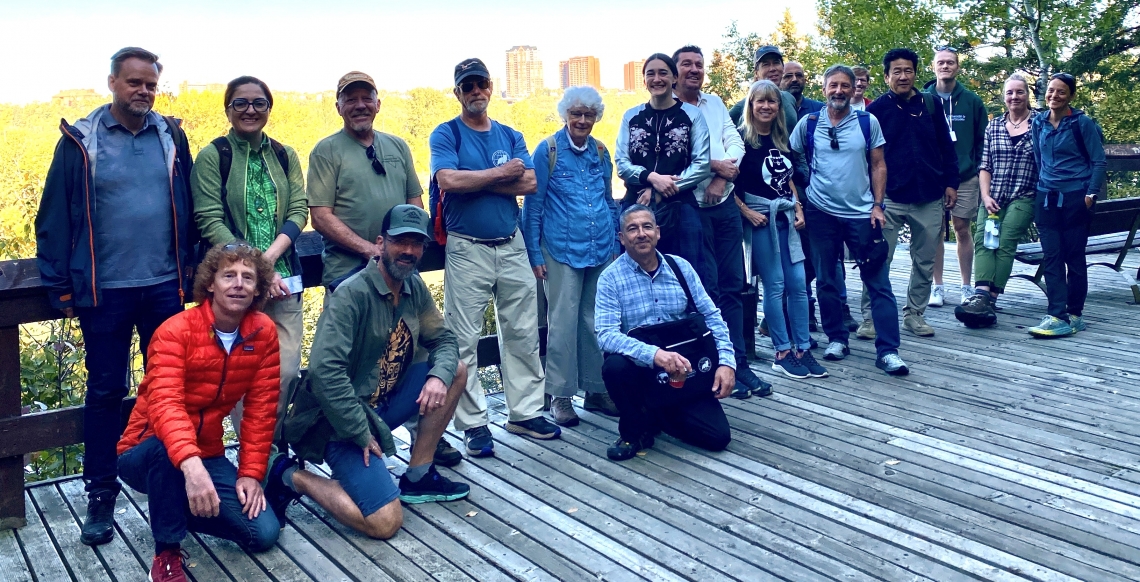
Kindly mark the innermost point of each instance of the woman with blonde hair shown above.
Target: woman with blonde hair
(767, 198)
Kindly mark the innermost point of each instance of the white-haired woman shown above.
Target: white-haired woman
(570, 229)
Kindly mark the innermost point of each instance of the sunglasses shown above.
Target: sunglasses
(469, 86)
(236, 245)
(831, 133)
(1063, 76)
(945, 47)
(242, 105)
(377, 165)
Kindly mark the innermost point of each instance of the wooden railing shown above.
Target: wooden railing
(24, 300)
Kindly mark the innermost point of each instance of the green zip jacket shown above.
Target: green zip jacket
(345, 361)
(206, 183)
(969, 122)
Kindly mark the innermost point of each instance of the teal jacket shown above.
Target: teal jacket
(969, 122)
(206, 183)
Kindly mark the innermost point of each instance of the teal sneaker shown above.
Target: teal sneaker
(1051, 327)
(1077, 323)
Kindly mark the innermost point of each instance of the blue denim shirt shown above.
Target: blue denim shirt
(1063, 168)
(571, 214)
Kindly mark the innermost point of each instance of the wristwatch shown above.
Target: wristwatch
(883, 205)
(1093, 196)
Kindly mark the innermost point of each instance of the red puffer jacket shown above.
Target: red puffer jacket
(191, 384)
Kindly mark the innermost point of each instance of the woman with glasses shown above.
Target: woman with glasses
(768, 201)
(662, 154)
(249, 187)
(1069, 147)
(570, 229)
(1007, 178)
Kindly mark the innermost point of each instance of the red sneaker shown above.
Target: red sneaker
(167, 566)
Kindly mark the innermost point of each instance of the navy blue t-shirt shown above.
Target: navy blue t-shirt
(482, 214)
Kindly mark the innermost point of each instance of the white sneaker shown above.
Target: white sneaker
(937, 296)
(967, 293)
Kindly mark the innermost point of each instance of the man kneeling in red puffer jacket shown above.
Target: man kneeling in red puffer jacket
(200, 363)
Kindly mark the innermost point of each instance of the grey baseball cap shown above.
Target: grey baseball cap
(406, 219)
(766, 50)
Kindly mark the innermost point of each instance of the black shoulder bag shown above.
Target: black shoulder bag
(688, 336)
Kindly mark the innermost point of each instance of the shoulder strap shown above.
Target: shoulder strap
(809, 137)
(175, 129)
(607, 167)
(865, 126)
(551, 152)
(692, 306)
(225, 160)
(453, 123)
(282, 155)
(931, 106)
(1079, 136)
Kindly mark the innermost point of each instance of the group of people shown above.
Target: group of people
(130, 229)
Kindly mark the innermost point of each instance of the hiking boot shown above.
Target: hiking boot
(866, 330)
(892, 364)
(278, 495)
(167, 566)
(479, 442)
(1051, 327)
(536, 428)
(790, 366)
(937, 296)
(978, 312)
(967, 293)
(99, 527)
(836, 351)
(914, 323)
(562, 411)
(1077, 323)
(849, 322)
(431, 487)
(623, 449)
(445, 454)
(601, 402)
(807, 360)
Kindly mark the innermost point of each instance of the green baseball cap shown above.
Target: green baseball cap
(405, 219)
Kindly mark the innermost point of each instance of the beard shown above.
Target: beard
(134, 108)
(396, 270)
(360, 126)
(838, 103)
(477, 108)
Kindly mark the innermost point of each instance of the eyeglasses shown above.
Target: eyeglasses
(236, 245)
(242, 105)
(468, 86)
(834, 135)
(586, 115)
(377, 165)
(945, 47)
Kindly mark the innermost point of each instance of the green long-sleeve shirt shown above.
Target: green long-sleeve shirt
(347, 361)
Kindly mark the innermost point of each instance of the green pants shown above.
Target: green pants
(993, 266)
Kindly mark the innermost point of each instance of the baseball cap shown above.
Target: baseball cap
(766, 50)
(354, 77)
(406, 219)
(470, 68)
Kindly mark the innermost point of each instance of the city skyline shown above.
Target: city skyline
(584, 70)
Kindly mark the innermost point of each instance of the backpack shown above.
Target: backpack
(603, 155)
(435, 195)
(813, 121)
(226, 159)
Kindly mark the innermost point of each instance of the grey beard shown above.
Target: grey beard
(127, 107)
(831, 104)
(476, 108)
(396, 271)
(360, 127)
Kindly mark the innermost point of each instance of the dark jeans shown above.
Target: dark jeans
(647, 406)
(147, 469)
(809, 264)
(723, 268)
(828, 235)
(107, 336)
(681, 234)
(1064, 234)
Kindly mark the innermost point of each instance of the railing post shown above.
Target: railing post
(11, 468)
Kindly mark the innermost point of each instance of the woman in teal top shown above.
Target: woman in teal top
(249, 187)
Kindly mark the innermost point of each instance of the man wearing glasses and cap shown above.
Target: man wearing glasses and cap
(478, 168)
(769, 64)
(844, 149)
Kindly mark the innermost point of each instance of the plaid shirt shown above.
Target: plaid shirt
(628, 297)
(1012, 167)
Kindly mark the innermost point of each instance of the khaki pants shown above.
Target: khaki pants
(573, 358)
(474, 273)
(925, 222)
(289, 316)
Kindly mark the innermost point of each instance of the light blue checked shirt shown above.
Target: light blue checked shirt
(628, 297)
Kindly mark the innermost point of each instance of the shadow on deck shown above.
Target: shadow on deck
(1000, 457)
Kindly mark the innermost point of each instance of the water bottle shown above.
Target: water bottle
(993, 231)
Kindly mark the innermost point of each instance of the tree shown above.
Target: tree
(722, 80)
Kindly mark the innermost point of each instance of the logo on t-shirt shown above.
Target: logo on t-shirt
(499, 158)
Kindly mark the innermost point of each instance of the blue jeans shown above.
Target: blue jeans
(828, 235)
(781, 276)
(147, 469)
(723, 268)
(107, 336)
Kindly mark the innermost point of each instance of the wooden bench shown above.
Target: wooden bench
(1113, 230)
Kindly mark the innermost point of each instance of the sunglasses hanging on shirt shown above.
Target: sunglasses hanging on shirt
(377, 165)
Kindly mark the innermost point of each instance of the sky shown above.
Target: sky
(295, 45)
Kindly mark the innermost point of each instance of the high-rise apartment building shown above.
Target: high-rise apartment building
(634, 80)
(524, 72)
(580, 71)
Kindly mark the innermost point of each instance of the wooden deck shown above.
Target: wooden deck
(1000, 457)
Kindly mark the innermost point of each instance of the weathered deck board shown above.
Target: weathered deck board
(1000, 457)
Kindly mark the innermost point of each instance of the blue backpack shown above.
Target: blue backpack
(435, 195)
(809, 139)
